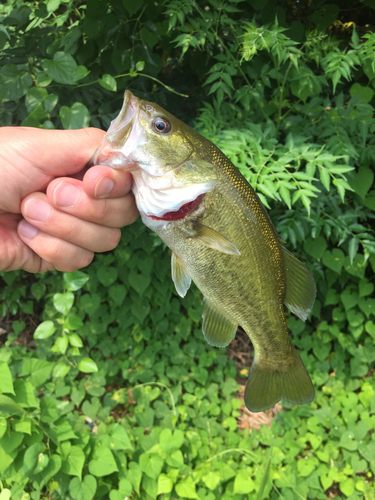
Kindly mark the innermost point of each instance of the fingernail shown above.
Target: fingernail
(37, 210)
(103, 187)
(27, 230)
(66, 195)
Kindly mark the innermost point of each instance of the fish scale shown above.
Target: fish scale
(222, 238)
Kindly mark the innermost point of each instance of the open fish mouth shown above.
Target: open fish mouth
(115, 148)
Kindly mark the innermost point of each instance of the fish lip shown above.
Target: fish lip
(109, 152)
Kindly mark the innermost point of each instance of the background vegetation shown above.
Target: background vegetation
(107, 387)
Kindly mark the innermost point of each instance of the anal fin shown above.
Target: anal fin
(217, 330)
(300, 287)
(267, 385)
(181, 280)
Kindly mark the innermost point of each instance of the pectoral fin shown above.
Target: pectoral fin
(213, 239)
(217, 330)
(181, 280)
(300, 286)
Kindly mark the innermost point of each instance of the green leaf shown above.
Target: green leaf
(125, 490)
(134, 474)
(348, 441)
(243, 484)
(63, 302)
(44, 330)
(75, 281)
(362, 181)
(25, 396)
(131, 6)
(73, 464)
(165, 484)
(53, 467)
(6, 383)
(103, 462)
(139, 281)
(87, 365)
(61, 345)
(73, 323)
(14, 82)
(315, 247)
(347, 486)
(150, 486)
(38, 290)
(353, 248)
(108, 82)
(366, 93)
(171, 442)
(151, 464)
(3, 426)
(31, 458)
(75, 340)
(61, 431)
(9, 407)
(43, 80)
(211, 480)
(75, 117)
(38, 369)
(334, 260)
(107, 275)
(84, 490)
(34, 97)
(117, 439)
(186, 489)
(23, 426)
(117, 293)
(63, 69)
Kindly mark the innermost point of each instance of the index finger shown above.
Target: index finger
(104, 182)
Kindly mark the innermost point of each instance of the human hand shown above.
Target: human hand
(48, 219)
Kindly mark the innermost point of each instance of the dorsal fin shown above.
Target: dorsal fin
(300, 289)
(217, 330)
(181, 280)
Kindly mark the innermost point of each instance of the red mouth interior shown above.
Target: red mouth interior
(181, 213)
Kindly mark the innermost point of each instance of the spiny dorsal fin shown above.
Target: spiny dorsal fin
(217, 330)
(180, 279)
(300, 289)
(213, 239)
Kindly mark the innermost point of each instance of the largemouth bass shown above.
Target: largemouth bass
(222, 238)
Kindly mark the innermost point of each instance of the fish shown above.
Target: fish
(221, 238)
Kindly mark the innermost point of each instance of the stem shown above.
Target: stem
(281, 98)
(134, 74)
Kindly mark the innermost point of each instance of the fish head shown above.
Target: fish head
(164, 155)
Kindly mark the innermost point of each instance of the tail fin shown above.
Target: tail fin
(267, 385)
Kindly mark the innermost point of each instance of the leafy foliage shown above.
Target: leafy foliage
(107, 388)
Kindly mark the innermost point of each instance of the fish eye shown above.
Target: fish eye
(160, 125)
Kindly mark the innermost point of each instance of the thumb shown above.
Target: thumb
(32, 157)
(56, 152)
